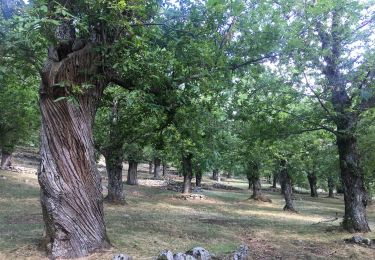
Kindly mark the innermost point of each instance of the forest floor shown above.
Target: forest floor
(155, 219)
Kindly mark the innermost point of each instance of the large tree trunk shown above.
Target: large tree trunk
(216, 175)
(355, 219)
(286, 186)
(132, 173)
(113, 161)
(331, 185)
(198, 178)
(6, 160)
(157, 162)
(187, 171)
(257, 188)
(312, 182)
(71, 191)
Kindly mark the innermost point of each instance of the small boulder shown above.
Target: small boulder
(122, 257)
(357, 239)
(200, 253)
(165, 255)
(242, 253)
(366, 241)
(183, 256)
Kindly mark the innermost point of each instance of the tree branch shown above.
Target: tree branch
(252, 61)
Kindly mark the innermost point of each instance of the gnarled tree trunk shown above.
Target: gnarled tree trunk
(311, 176)
(286, 186)
(187, 171)
(157, 162)
(132, 173)
(257, 188)
(355, 219)
(71, 192)
(6, 160)
(113, 161)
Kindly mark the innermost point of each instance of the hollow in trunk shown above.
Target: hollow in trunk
(187, 171)
(157, 173)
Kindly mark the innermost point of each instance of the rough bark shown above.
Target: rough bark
(313, 182)
(113, 160)
(187, 171)
(150, 167)
(157, 162)
(286, 186)
(216, 175)
(6, 160)
(198, 178)
(132, 173)
(355, 218)
(164, 168)
(331, 185)
(71, 192)
(257, 188)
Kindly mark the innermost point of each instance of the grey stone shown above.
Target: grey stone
(357, 239)
(183, 256)
(165, 255)
(366, 241)
(242, 253)
(122, 257)
(200, 253)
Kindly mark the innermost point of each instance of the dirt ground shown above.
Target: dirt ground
(155, 219)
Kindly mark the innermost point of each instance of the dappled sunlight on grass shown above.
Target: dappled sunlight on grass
(154, 219)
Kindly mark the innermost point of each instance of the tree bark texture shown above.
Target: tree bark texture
(355, 218)
(257, 188)
(157, 162)
(331, 186)
(312, 182)
(286, 186)
(113, 160)
(216, 175)
(198, 178)
(187, 171)
(71, 192)
(132, 173)
(6, 160)
(164, 168)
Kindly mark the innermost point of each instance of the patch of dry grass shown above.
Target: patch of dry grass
(154, 220)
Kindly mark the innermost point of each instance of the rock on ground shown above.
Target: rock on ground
(122, 257)
(165, 255)
(200, 253)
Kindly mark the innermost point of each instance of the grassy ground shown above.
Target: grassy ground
(154, 220)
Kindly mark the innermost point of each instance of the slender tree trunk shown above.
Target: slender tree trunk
(6, 160)
(249, 178)
(71, 192)
(164, 168)
(275, 177)
(198, 178)
(132, 173)
(216, 175)
(331, 185)
(286, 186)
(157, 173)
(150, 167)
(312, 182)
(229, 175)
(187, 170)
(355, 219)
